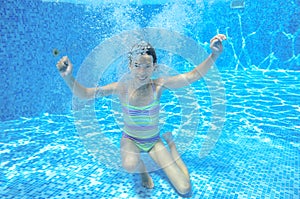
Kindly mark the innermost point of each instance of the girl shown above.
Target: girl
(140, 96)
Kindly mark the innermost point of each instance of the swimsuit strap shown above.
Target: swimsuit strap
(154, 91)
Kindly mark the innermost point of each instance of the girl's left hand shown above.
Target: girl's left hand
(216, 44)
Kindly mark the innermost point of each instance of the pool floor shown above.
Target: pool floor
(256, 156)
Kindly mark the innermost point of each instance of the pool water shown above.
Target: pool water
(257, 155)
(44, 152)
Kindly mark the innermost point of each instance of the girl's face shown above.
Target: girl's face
(142, 68)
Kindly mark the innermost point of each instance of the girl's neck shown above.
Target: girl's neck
(140, 87)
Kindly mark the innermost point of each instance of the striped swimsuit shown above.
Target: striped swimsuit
(141, 124)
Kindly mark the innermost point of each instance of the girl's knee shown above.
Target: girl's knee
(184, 188)
(130, 164)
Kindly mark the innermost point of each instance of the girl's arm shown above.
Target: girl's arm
(197, 73)
(65, 68)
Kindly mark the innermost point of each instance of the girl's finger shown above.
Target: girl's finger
(220, 37)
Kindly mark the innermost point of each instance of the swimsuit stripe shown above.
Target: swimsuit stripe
(141, 141)
(141, 128)
(141, 134)
(155, 102)
(141, 112)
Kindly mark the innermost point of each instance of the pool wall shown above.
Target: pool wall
(264, 35)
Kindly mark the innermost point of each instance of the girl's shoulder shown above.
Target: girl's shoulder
(158, 81)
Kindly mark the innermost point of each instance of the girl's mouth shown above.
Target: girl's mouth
(142, 78)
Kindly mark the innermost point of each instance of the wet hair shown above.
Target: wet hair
(142, 48)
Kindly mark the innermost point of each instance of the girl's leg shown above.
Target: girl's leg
(164, 159)
(132, 163)
(168, 137)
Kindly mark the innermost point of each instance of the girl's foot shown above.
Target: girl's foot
(147, 181)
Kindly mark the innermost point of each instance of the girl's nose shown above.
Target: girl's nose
(142, 70)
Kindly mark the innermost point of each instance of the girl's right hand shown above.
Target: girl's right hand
(64, 66)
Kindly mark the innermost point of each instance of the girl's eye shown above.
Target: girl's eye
(142, 65)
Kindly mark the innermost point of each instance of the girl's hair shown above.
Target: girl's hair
(141, 49)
